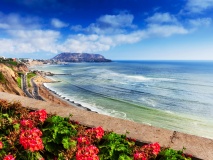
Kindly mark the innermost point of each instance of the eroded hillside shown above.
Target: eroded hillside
(9, 77)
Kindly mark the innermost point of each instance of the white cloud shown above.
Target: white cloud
(4, 26)
(200, 22)
(77, 28)
(108, 31)
(58, 23)
(95, 43)
(6, 45)
(29, 41)
(198, 6)
(109, 24)
(164, 25)
(116, 21)
(98, 42)
(14, 21)
(165, 30)
(162, 18)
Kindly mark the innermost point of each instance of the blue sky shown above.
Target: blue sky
(117, 29)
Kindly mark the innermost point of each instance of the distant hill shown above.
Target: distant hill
(80, 57)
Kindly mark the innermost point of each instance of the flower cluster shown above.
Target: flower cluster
(9, 157)
(96, 132)
(1, 145)
(147, 151)
(89, 152)
(40, 114)
(83, 140)
(31, 139)
(30, 136)
(86, 149)
(27, 123)
(140, 156)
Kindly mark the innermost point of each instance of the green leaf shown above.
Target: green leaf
(61, 156)
(16, 126)
(5, 115)
(124, 157)
(66, 142)
(50, 147)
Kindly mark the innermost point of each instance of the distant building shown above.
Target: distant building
(2, 57)
(25, 59)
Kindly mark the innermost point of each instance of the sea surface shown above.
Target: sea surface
(176, 95)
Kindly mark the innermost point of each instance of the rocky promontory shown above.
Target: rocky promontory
(79, 57)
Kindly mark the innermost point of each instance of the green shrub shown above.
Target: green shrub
(35, 135)
(2, 78)
(116, 146)
(19, 79)
(12, 63)
(29, 76)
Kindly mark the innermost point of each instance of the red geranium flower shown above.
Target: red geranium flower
(9, 157)
(1, 145)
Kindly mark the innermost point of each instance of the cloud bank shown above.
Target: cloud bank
(27, 34)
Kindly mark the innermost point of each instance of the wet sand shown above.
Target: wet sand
(51, 96)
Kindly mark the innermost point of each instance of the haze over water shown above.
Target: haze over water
(176, 95)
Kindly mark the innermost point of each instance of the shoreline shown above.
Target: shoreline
(51, 96)
(71, 99)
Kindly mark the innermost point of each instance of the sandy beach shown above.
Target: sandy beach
(52, 97)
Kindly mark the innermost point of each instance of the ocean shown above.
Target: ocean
(176, 95)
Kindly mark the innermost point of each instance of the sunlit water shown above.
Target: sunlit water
(168, 94)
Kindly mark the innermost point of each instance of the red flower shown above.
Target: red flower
(83, 140)
(30, 139)
(9, 157)
(87, 153)
(40, 114)
(1, 145)
(147, 152)
(140, 156)
(27, 123)
(43, 115)
(99, 132)
(156, 148)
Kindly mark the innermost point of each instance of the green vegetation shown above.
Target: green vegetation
(116, 146)
(19, 82)
(9, 61)
(36, 135)
(19, 79)
(12, 63)
(2, 79)
(29, 76)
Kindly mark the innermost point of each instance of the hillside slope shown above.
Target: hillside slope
(8, 78)
(80, 57)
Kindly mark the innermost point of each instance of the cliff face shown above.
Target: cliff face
(9, 75)
(80, 57)
(20, 68)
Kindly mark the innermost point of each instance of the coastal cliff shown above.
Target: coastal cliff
(80, 57)
(9, 76)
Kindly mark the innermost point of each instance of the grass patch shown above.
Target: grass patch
(29, 76)
(19, 82)
(13, 63)
(2, 78)
(19, 79)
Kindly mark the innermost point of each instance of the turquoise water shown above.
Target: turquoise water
(169, 94)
